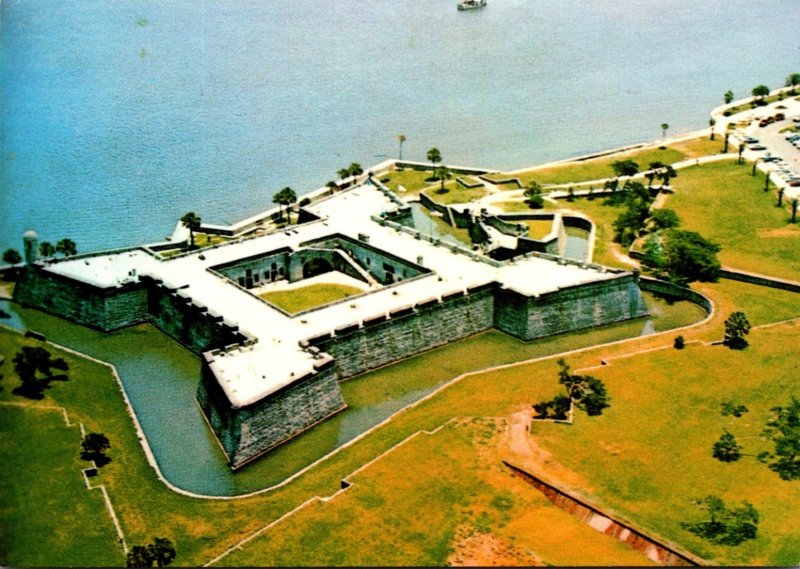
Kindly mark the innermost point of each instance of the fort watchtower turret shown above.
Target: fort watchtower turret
(31, 244)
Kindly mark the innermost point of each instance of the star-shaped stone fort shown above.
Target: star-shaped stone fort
(268, 374)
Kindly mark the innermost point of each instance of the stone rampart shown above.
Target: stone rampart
(665, 288)
(101, 308)
(249, 432)
(569, 309)
(407, 331)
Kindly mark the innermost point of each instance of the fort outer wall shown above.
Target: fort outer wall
(407, 331)
(248, 432)
(570, 308)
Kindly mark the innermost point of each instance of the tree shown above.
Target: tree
(401, 138)
(434, 156)
(12, 257)
(783, 429)
(442, 173)
(727, 449)
(46, 249)
(161, 552)
(625, 167)
(355, 169)
(780, 197)
(711, 123)
(665, 174)
(679, 343)
(285, 198)
(557, 408)
(94, 447)
(736, 328)
(533, 193)
(729, 408)
(793, 80)
(34, 367)
(728, 97)
(759, 92)
(665, 218)
(664, 127)
(191, 221)
(795, 203)
(343, 173)
(725, 526)
(653, 172)
(689, 257)
(66, 247)
(585, 391)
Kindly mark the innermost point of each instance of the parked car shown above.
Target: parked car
(751, 140)
(757, 147)
(795, 183)
(771, 158)
(779, 116)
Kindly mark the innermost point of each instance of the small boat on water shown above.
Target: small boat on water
(471, 4)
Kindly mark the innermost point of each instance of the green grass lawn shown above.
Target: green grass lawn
(47, 515)
(412, 180)
(650, 453)
(310, 296)
(538, 228)
(455, 193)
(458, 480)
(597, 168)
(202, 529)
(724, 203)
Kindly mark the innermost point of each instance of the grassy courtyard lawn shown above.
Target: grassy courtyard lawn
(307, 297)
(650, 453)
(467, 496)
(47, 515)
(724, 203)
(456, 193)
(538, 228)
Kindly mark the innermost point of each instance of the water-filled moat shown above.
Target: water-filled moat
(160, 377)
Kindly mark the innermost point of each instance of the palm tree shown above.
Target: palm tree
(740, 160)
(46, 249)
(434, 156)
(401, 138)
(190, 221)
(285, 197)
(343, 173)
(795, 202)
(355, 169)
(728, 97)
(711, 123)
(66, 247)
(443, 173)
(780, 197)
(664, 127)
(725, 149)
(766, 183)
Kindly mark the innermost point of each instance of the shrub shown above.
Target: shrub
(679, 343)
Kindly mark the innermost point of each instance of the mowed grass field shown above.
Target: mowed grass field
(724, 203)
(203, 529)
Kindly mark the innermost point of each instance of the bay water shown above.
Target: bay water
(119, 116)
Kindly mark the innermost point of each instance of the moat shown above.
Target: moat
(160, 378)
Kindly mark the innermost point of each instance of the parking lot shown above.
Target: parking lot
(775, 153)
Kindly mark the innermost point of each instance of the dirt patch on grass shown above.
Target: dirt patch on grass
(791, 231)
(472, 549)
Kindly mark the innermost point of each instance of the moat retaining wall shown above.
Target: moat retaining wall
(251, 431)
(569, 309)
